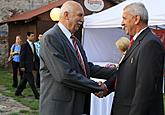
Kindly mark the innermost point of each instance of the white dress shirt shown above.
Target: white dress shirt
(31, 45)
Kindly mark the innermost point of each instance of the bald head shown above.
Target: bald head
(72, 15)
(69, 6)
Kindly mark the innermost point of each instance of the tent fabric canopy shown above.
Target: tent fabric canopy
(102, 30)
(112, 17)
(99, 44)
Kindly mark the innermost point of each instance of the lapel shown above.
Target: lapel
(135, 44)
(65, 39)
(30, 49)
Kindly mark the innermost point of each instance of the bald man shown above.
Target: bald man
(65, 71)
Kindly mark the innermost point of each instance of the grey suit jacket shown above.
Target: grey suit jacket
(139, 78)
(64, 88)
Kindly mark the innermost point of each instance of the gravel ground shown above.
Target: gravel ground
(9, 105)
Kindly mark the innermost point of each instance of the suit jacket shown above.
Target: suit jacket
(64, 88)
(28, 60)
(139, 78)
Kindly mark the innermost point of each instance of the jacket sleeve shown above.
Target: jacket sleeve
(97, 71)
(53, 56)
(22, 56)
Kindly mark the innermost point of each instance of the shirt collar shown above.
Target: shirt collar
(64, 30)
(137, 34)
(29, 42)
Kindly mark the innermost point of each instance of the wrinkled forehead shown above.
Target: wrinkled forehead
(126, 14)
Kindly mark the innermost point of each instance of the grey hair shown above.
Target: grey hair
(139, 9)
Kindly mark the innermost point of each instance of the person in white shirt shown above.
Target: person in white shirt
(138, 85)
(29, 62)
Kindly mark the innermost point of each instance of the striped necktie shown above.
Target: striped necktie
(74, 40)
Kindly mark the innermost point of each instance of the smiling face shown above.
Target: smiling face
(72, 16)
(129, 23)
(75, 18)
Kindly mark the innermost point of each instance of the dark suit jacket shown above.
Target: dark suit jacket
(139, 78)
(64, 88)
(27, 60)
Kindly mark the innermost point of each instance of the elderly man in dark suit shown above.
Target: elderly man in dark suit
(65, 84)
(138, 89)
(29, 61)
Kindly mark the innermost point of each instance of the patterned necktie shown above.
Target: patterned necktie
(74, 40)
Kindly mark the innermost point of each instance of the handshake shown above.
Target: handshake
(104, 91)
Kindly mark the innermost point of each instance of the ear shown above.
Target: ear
(137, 19)
(66, 15)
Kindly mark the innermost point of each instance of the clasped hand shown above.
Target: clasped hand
(104, 91)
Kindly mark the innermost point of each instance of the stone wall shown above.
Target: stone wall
(3, 52)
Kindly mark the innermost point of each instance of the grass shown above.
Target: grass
(28, 100)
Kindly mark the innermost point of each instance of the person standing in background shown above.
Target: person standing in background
(37, 47)
(28, 64)
(15, 56)
(139, 79)
(122, 45)
(37, 44)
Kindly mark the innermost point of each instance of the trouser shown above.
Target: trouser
(28, 77)
(87, 105)
(15, 67)
(38, 79)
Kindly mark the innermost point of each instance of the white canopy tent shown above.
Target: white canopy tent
(111, 17)
(100, 32)
(102, 29)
